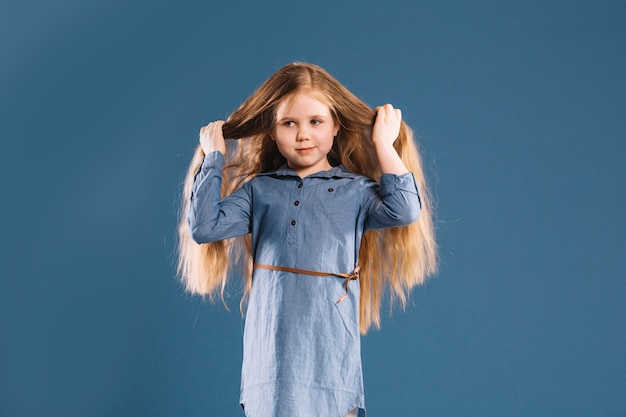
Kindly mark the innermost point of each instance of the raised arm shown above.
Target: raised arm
(210, 217)
(384, 133)
(396, 201)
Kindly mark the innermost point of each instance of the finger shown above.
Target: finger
(216, 127)
(389, 111)
(206, 127)
(385, 112)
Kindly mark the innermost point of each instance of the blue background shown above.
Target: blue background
(520, 110)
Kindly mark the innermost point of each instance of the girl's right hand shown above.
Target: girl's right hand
(212, 138)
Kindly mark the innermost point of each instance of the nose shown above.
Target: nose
(303, 134)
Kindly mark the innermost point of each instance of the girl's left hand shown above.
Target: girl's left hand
(387, 125)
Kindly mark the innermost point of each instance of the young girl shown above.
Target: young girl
(295, 202)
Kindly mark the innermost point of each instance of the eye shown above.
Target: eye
(288, 123)
(316, 122)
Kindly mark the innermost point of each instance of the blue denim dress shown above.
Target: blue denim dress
(302, 354)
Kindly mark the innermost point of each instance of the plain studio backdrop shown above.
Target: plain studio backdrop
(518, 106)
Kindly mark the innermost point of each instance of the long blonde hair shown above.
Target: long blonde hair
(402, 257)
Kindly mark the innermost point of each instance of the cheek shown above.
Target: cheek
(277, 135)
(282, 140)
(332, 132)
(330, 139)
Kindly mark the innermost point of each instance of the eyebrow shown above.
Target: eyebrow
(315, 116)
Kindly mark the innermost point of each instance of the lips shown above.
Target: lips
(305, 150)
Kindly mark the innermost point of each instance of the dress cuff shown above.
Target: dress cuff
(389, 183)
(212, 163)
(213, 159)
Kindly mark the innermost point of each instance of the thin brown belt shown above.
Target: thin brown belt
(348, 277)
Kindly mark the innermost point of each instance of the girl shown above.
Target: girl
(294, 201)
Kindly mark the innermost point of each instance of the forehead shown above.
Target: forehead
(303, 103)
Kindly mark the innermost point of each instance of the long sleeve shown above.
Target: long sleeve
(397, 202)
(211, 218)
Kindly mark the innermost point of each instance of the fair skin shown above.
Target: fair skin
(304, 133)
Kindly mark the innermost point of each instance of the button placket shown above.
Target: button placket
(292, 231)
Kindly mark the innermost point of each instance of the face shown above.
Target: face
(304, 132)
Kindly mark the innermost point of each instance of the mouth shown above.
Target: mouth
(305, 150)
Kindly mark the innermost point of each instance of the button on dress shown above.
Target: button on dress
(302, 354)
